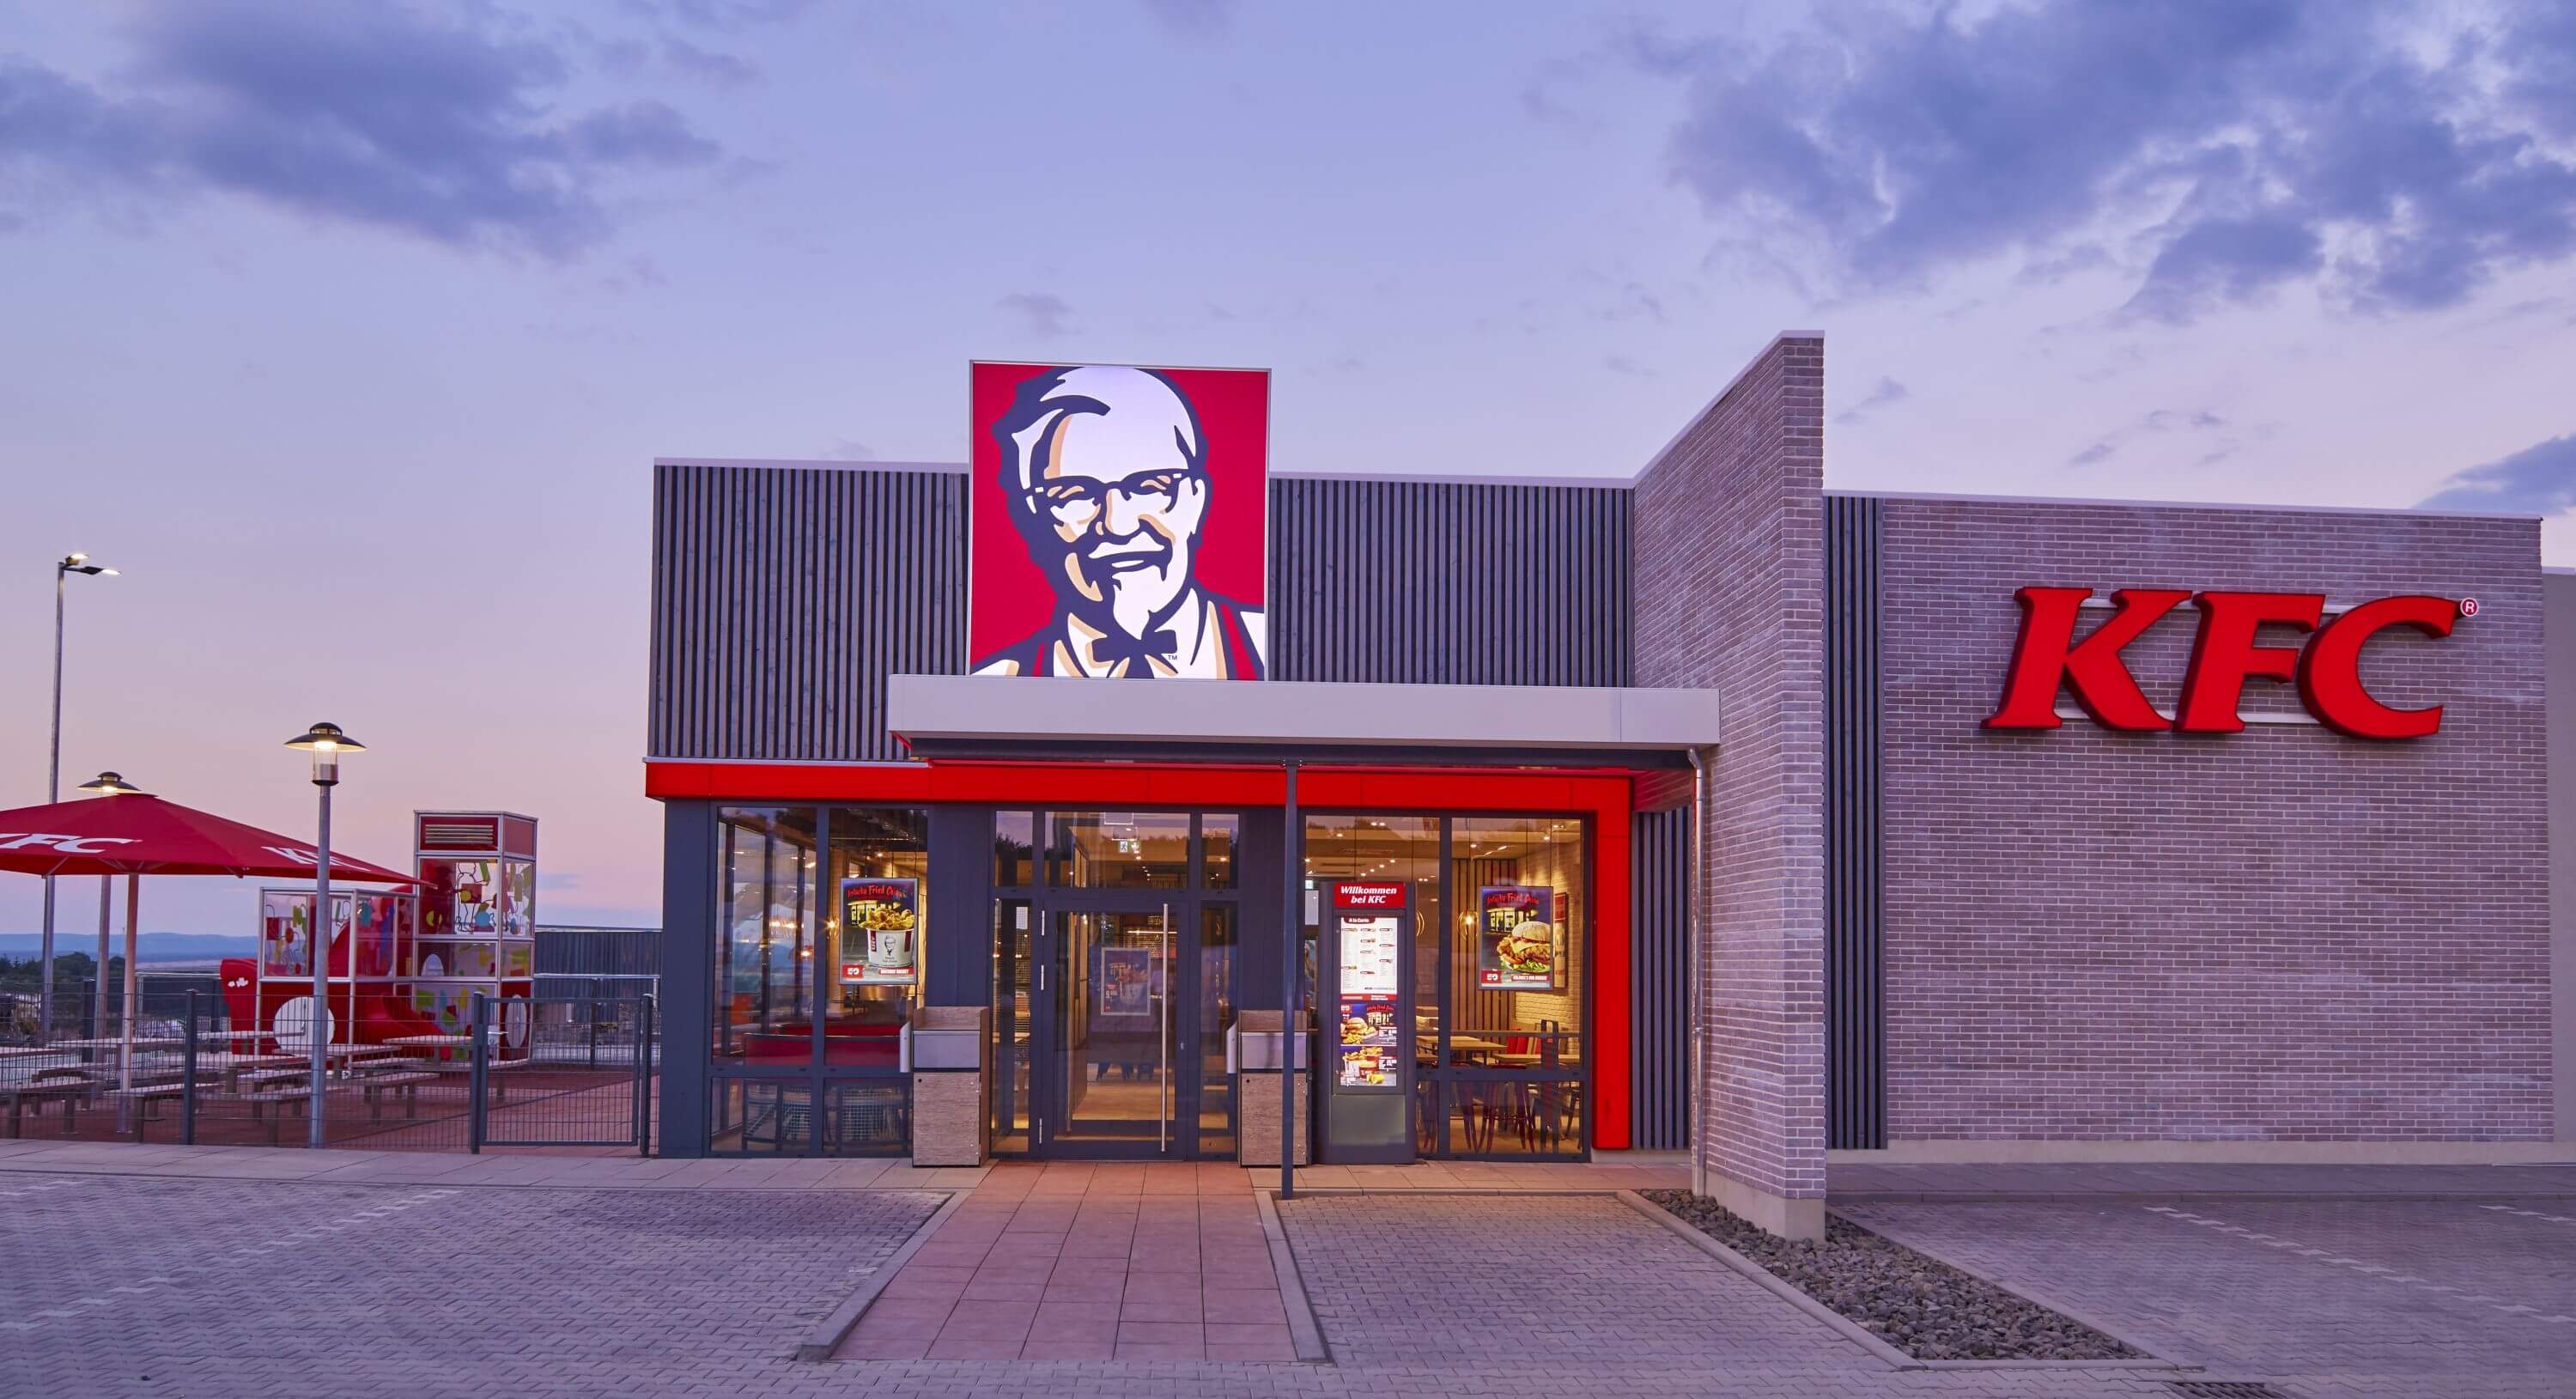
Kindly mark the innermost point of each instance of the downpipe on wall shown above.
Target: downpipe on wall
(1698, 925)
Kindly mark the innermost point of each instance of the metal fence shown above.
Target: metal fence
(579, 1063)
(571, 1066)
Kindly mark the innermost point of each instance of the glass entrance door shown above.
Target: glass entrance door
(1118, 1067)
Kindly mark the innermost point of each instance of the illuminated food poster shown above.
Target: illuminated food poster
(1368, 1042)
(1516, 945)
(880, 931)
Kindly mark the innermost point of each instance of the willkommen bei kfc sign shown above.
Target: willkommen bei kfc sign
(2224, 656)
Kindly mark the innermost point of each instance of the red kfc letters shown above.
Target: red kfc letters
(2224, 655)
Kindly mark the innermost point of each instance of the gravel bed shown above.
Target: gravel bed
(1920, 1305)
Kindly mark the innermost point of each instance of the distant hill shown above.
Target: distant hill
(148, 947)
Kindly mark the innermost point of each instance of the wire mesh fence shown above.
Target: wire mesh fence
(572, 1066)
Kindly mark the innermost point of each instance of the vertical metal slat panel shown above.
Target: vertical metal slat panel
(1855, 1028)
(1449, 582)
(784, 598)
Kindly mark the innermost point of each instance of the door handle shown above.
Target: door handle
(1163, 1128)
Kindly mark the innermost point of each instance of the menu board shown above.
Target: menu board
(880, 931)
(1517, 948)
(1369, 1043)
(1369, 948)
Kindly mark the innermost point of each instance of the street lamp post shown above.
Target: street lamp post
(326, 743)
(68, 565)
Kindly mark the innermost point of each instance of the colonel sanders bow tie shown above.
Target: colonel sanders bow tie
(1139, 652)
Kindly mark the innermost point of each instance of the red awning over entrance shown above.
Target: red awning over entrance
(138, 834)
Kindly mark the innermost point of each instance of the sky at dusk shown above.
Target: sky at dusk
(350, 333)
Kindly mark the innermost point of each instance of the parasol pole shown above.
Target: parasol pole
(133, 994)
(98, 980)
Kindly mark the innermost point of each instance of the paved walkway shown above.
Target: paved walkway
(1088, 1262)
(231, 1271)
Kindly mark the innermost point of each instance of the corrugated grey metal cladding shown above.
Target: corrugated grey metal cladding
(1855, 998)
(1434, 582)
(784, 597)
(1659, 994)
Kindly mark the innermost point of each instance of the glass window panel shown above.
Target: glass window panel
(765, 950)
(1518, 933)
(1014, 849)
(1118, 850)
(1216, 994)
(1219, 837)
(1013, 941)
(876, 916)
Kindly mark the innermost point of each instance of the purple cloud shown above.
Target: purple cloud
(368, 115)
(2241, 145)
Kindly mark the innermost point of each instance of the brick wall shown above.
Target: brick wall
(2282, 934)
(1729, 579)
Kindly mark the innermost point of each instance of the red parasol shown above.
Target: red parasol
(138, 834)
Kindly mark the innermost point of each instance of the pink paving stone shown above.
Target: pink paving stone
(990, 1321)
(935, 1284)
(1243, 1304)
(1069, 1348)
(986, 1290)
(1161, 1309)
(1111, 1288)
(1229, 1342)
(1146, 1350)
(906, 1313)
(1057, 1320)
(1189, 1333)
(1153, 1287)
(1005, 1266)
(976, 1348)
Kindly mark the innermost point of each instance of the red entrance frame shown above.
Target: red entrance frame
(1604, 794)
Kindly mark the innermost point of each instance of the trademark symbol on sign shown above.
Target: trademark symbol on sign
(2468, 607)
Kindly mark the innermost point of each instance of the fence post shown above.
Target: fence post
(481, 1029)
(188, 1077)
(644, 1084)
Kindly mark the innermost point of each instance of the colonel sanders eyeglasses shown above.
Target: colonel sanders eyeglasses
(1079, 499)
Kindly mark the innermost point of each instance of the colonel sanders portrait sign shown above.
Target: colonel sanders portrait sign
(1120, 522)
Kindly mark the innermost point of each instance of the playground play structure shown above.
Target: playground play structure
(404, 967)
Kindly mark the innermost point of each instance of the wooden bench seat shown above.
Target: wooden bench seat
(147, 1099)
(493, 1069)
(42, 1090)
(407, 1084)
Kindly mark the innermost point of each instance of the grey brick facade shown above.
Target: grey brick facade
(2278, 935)
(1729, 587)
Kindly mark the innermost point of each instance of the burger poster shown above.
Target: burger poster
(1516, 946)
(880, 931)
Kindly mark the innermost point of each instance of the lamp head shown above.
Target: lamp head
(326, 742)
(110, 784)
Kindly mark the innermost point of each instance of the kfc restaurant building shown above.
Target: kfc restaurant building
(1585, 816)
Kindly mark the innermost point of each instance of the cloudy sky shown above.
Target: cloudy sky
(350, 333)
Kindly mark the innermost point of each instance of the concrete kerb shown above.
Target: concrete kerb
(1303, 1331)
(827, 1335)
(1861, 1335)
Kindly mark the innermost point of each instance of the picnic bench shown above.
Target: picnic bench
(492, 1067)
(48, 1086)
(147, 1098)
(260, 1100)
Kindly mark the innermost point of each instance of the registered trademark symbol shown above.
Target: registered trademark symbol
(2468, 607)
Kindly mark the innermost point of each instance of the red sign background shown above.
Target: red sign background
(1008, 598)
